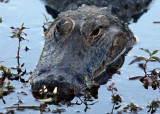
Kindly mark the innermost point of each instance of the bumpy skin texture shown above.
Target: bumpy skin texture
(79, 43)
(124, 9)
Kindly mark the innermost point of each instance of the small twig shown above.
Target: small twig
(156, 21)
(30, 107)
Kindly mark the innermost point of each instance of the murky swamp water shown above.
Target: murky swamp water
(30, 12)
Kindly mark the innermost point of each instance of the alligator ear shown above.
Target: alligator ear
(106, 10)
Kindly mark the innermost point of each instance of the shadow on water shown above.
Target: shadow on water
(20, 96)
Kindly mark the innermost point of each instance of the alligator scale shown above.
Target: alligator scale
(83, 40)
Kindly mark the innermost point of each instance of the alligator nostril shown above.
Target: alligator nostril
(61, 78)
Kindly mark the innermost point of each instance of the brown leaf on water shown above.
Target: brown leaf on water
(12, 27)
(156, 58)
(135, 77)
(115, 89)
(156, 21)
(138, 59)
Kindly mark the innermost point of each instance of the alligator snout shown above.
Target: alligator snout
(51, 82)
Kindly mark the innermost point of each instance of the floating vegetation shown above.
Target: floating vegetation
(116, 98)
(130, 108)
(153, 106)
(87, 101)
(6, 73)
(151, 78)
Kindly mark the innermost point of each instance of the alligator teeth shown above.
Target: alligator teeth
(41, 91)
(55, 90)
(45, 89)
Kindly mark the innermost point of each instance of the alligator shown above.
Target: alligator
(82, 41)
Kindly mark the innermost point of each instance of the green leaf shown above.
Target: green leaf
(156, 58)
(154, 52)
(4, 84)
(138, 59)
(118, 72)
(11, 87)
(9, 71)
(146, 50)
(14, 36)
(2, 68)
(1, 92)
(45, 17)
(45, 100)
(86, 78)
(8, 84)
(0, 19)
(133, 107)
(22, 25)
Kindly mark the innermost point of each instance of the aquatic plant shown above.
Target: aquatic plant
(18, 33)
(151, 77)
(146, 59)
(130, 108)
(46, 24)
(153, 106)
(116, 98)
(6, 73)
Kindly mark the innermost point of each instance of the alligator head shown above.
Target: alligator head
(80, 43)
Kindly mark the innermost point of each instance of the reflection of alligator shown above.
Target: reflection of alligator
(82, 43)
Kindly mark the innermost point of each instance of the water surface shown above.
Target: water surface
(16, 12)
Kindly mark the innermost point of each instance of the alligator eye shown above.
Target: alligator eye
(94, 33)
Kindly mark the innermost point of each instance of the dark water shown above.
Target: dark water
(16, 12)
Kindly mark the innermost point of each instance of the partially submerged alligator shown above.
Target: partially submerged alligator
(84, 42)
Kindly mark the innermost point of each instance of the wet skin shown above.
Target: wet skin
(80, 43)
